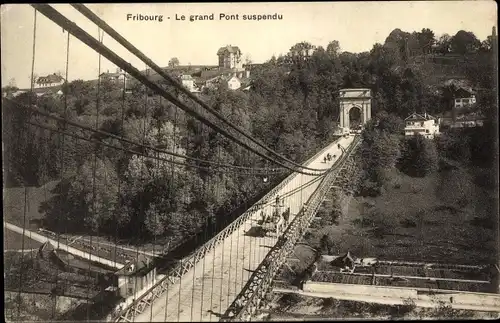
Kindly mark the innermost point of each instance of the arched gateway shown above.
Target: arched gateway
(354, 98)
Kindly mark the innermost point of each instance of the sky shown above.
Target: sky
(356, 25)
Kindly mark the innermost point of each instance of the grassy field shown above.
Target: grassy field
(445, 217)
(14, 241)
(16, 211)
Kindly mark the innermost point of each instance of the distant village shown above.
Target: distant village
(236, 76)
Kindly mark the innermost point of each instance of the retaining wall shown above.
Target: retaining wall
(458, 298)
(376, 291)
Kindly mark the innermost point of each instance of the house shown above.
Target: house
(188, 82)
(135, 276)
(233, 83)
(465, 99)
(117, 76)
(425, 125)
(462, 91)
(230, 57)
(468, 121)
(233, 79)
(49, 80)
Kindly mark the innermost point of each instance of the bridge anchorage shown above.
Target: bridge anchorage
(353, 101)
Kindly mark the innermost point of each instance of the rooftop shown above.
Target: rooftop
(82, 263)
(138, 266)
(355, 93)
(419, 117)
(228, 49)
(52, 78)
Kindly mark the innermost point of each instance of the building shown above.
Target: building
(188, 82)
(230, 57)
(425, 125)
(135, 276)
(463, 94)
(468, 121)
(74, 264)
(117, 76)
(49, 80)
(233, 83)
(466, 99)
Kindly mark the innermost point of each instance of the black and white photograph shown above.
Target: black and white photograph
(250, 161)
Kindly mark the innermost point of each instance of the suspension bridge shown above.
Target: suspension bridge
(227, 276)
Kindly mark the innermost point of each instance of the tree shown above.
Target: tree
(301, 50)
(85, 200)
(444, 44)
(248, 59)
(419, 156)
(12, 83)
(10, 88)
(390, 123)
(426, 39)
(454, 146)
(173, 62)
(464, 42)
(333, 48)
(327, 245)
(381, 150)
(487, 44)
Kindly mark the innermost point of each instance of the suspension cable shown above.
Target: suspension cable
(170, 161)
(121, 138)
(116, 36)
(25, 188)
(79, 33)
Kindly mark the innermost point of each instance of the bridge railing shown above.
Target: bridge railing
(147, 298)
(252, 293)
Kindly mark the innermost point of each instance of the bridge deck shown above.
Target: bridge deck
(207, 290)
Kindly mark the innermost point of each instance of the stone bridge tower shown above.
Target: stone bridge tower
(355, 98)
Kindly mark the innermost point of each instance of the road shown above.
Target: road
(460, 301)
(207, 290)
(40, 238)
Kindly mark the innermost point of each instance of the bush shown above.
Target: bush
(369, 188)
(381, 225)
(329, 303)
(454, 146)
(289, 300)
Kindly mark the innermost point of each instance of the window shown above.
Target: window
(130, 279)
(426, 130)
(130, 292)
